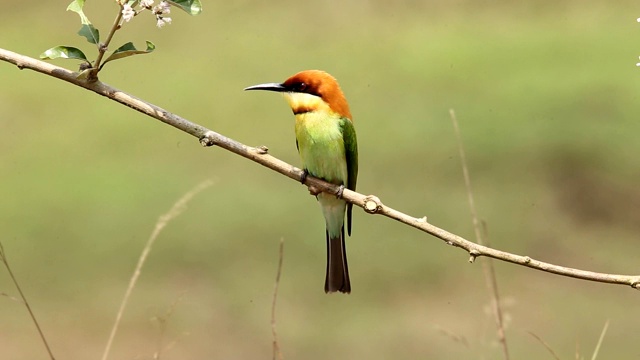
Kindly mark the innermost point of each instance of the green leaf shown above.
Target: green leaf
(87, 30)
(76, 6)
(192, 7)
(64, 52)
(92, 34)
(127, 50)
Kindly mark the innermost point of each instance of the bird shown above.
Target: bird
(327, 144)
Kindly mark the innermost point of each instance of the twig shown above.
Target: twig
(177, 209)
(3, 258)
(487, 266)
(276, 345)
(371, 204)
(102, 48)
(604, 331)
(545, 345)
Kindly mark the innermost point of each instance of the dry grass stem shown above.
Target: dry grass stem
(555, 356)
(276, 346)
(3, 258)
(460, 339)
(178, 208)
(602, 334)
(487, 266)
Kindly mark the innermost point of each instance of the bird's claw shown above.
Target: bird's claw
(314, 190)
(340, 191)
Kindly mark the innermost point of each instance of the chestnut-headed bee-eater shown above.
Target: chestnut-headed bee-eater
(326, 141)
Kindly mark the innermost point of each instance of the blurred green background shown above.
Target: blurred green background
(546, 97)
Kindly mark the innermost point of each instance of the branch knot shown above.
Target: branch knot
(372, 204)
(207, 140)
(262, 149)
(473, 254)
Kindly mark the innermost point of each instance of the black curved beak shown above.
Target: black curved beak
(269, 87)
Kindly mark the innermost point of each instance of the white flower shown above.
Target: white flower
(127, 12)
(162, 21)
(146, 3)
(162, 8)
(166, 8)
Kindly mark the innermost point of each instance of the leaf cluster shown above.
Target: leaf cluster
(89, 69)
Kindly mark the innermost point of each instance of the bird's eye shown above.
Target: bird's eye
(301, 87)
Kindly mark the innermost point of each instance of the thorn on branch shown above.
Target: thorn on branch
(473, 254)
(422, 219)
(372, 204)
(262, 149)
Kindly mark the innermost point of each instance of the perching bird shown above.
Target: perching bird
(326, 141)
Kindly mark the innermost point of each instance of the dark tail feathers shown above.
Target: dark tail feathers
(337, 270)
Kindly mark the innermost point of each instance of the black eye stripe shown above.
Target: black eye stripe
(303, 87)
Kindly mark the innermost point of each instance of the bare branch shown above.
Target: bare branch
(370, 203)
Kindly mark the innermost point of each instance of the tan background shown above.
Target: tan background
(547, 99)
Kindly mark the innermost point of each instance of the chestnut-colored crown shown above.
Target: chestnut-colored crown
(323, 85)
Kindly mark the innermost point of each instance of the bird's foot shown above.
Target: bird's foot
(340, 191)
(314, 190)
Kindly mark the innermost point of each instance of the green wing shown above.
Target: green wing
(351, 152)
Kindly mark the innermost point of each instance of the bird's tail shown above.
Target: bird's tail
(337, 270)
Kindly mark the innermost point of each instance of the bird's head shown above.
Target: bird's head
(310, 90)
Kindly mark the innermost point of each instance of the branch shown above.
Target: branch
(370, 203)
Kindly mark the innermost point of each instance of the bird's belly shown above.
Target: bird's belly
(326, 163)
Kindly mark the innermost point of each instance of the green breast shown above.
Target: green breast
(321, 146)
